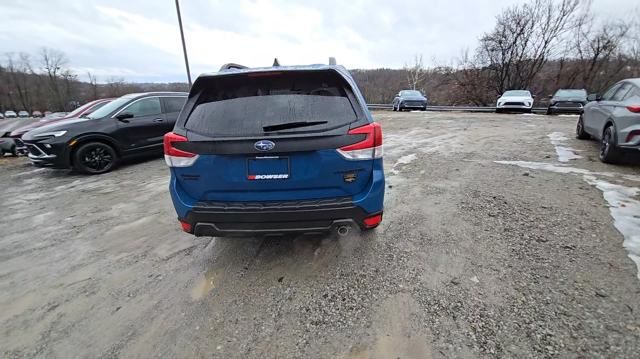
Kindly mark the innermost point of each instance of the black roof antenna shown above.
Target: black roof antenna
(276, 63)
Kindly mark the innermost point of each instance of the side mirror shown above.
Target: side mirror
(123, 117)
(594, 97)
(498, 96)
(550, 96)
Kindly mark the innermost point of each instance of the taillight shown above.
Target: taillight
(373, 221)
(175, 157)
(367, 149)
(186, 226)
(634, 108)
(632, 134)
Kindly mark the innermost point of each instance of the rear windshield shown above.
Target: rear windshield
(571, 93)
(249, 105)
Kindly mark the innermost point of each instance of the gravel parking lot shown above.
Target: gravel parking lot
(503, 237)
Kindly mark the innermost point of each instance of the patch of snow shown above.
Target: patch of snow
(625, 211)
(406, 159)
(623, 207)
(565, 154)
(560, 168)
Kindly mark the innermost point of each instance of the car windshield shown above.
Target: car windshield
(79, 110)
(410, 93)
(514, 93)
(110, 107)
(571, 93)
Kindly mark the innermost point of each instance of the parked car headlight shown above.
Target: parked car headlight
(51, 134)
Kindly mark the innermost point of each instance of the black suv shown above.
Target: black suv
(131, 125)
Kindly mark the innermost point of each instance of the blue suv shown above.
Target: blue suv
(259, 151)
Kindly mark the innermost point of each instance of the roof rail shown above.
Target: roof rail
(232, 66)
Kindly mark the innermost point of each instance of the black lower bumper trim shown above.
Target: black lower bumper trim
(273, 218)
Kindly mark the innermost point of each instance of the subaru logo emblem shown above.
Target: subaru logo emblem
(264, 145)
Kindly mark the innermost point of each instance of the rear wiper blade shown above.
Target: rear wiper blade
(288, 125)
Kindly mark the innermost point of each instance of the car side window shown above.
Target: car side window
(145, 107)
(634, 92)
(622, 91)
(610, 92)
(173, 104)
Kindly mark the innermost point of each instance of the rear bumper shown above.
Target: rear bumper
(249, 219)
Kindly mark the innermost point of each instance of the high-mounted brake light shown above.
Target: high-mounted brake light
(367, 149)
(175, 157)
(634, 108)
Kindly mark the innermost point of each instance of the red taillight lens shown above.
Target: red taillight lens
(634, 108)
(185, 226)
(373, 221)
(175, 157)
(632, 134)
(367, 149)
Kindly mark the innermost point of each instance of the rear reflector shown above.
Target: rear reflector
(632, 134)
(175, 157)
(373, 221)
(367, 149)
(634, 109)
(185, 226)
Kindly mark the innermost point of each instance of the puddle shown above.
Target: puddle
(625, 210)
(205, 285)
(565, 154)
(395, 337)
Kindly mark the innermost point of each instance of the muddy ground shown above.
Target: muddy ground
(475, 258)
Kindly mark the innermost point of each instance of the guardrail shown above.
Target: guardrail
(384, 106)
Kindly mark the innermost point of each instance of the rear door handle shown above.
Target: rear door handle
(158, 120)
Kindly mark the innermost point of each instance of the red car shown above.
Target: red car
(81, 111)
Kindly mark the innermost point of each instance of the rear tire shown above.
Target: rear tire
(95, 158)
(498, 110)
(580, 133)
(609, 153)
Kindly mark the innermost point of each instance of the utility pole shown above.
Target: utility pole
(184, 46)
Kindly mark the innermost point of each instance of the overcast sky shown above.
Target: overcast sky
(139, 40)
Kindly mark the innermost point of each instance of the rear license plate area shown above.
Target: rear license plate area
(268, 168)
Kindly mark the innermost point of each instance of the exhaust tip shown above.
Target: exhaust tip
(343, 230)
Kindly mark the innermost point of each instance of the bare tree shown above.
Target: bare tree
(93, 83)
(416, 72)
(54, 63)
(19, 78)
(524, 39)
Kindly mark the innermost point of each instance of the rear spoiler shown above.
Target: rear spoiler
(276, 63)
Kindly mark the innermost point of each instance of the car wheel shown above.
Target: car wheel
(498, 110)
(424, 108)
(394, 107)
(609, 153)
(580, 133)
(14, 151)
(549, 112)
(94, 158)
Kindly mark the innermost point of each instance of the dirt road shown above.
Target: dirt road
(502, 237)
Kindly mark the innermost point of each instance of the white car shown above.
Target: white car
(10, 114)
(515, 100)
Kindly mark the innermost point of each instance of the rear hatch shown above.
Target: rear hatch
(273, 136)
